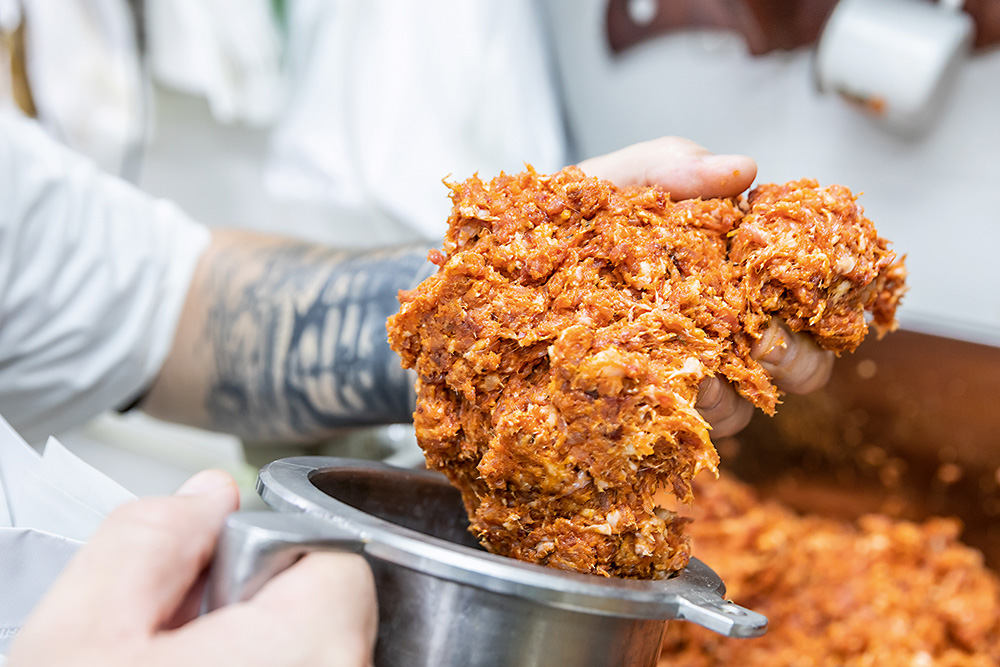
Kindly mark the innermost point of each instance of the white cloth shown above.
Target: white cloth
(228, 51)
(388, 98)
(93, 274)
(30, 560)
(86, 77)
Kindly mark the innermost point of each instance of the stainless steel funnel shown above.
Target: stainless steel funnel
(443, 600)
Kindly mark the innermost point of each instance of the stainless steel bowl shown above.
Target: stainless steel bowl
(443, 600)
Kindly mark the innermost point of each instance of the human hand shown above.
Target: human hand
(131, 597)
(679, 166)
(685, 169)
(795, 363)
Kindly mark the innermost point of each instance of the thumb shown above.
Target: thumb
(679, 166)
(141, 562)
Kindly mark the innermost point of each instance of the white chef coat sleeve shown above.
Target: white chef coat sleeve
(93, 275)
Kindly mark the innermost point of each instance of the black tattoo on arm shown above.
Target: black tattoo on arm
(300, 339)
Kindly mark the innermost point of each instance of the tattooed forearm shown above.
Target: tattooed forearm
(299, 340)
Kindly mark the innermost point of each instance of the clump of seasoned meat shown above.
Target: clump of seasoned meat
(878, 591)
(810, 257)
(560, 346)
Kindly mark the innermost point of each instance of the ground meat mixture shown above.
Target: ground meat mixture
(560, 346)
(878, 591)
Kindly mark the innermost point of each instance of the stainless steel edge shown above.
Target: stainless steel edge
(695, 594)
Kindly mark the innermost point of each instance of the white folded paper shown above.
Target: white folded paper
(49, 504)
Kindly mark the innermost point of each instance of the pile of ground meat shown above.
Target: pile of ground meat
(560, 347)
(878, 591)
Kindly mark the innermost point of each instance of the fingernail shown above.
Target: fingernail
(206, 482)
(710, 394)
(715, 158)
(772, 346)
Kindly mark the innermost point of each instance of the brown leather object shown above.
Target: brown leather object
(767, 25)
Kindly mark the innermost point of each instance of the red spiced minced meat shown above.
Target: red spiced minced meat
(876, 591)
(560, 346)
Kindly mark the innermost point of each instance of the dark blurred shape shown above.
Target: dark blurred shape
(767, 25)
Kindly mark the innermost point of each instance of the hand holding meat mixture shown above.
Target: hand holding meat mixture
(561, 345)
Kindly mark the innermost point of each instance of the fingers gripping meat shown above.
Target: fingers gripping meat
(561, 345)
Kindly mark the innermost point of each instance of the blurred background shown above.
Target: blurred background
(338, 120)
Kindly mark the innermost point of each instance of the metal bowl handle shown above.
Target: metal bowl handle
(256, 546)
(720, 615)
